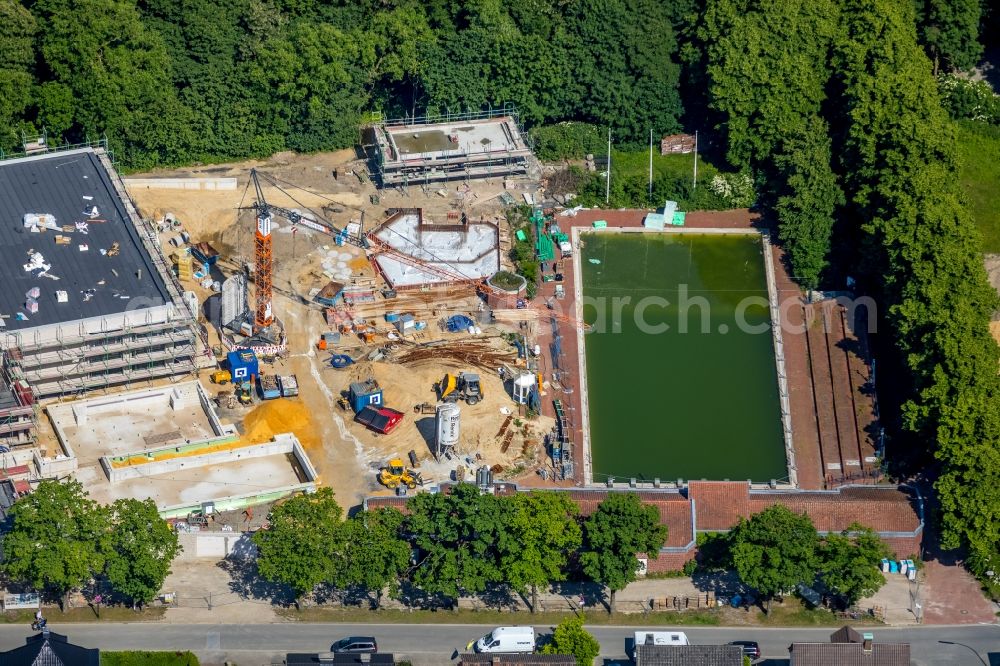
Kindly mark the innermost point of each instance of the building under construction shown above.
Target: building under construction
(87, 300)
(415, 251)
(417, 151)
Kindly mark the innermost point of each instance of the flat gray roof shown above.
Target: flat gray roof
(63, 184)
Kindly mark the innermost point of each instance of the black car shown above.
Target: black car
(355, 645)
(750, 648)
(559, 277)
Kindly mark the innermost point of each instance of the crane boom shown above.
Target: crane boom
(263, 252)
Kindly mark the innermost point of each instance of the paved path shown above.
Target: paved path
(425, 645)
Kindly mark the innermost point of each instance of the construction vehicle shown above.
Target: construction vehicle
(395, 473)
(221, 377)
(244, 393)
(463, 386)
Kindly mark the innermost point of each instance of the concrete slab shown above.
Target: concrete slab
(214, 482)
(128, 422)
(469, 137)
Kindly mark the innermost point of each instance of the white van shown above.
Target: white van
(508, 639)
(660, 638)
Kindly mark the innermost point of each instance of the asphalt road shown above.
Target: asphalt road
(425, 645)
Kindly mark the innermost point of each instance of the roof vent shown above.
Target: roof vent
(867, 637)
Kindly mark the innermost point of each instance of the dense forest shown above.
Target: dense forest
(174, 81)
(836, 110)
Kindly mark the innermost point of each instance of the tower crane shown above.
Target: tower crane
(263, 256)
(264, 261)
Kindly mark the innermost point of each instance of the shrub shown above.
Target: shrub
(974, 100)
(568, 140)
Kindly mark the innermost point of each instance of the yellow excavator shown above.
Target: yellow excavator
(395, 473)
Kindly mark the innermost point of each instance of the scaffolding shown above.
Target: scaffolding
(18, 408)
(497, 147)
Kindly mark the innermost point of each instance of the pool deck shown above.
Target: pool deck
(802, 395)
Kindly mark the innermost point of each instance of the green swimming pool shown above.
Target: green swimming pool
(681, 376)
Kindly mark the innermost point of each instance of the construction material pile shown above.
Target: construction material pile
(487, 353)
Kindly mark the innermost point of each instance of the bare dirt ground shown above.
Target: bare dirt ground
(992, 263)
(347, 455)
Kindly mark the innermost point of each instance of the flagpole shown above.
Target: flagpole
(607, 185)
(694, 185)
(651, 163)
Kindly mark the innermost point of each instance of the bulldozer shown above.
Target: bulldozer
(395, 473)
(463, 386)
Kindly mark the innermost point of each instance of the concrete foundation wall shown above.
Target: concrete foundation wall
(236, 502)
(282, 444)
(58, 466)
(227, 184)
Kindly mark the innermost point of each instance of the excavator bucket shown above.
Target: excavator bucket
(448, 385)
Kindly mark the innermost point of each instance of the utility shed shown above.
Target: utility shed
(243, 364)
(363, 394)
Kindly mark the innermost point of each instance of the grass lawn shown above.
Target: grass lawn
(979, 150)
(636, 163)
(108, 614)
(140, 658)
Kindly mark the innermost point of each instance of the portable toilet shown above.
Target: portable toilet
(242, 365)
(362, 394)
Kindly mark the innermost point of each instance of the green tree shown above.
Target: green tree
(920, 252)
(456, 534)
(620, 528)
(849, 563)
(57, 538)
(774, 550)
(17, 61)
(374, 555)
(767, 64)
(949, 30)
(118, 72)
(570, 637)
(807, 199)
(299, 546)
(539, 535)
(140, 549)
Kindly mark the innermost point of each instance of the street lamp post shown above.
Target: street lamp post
(968, 647)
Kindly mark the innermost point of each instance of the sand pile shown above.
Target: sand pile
(277, 416)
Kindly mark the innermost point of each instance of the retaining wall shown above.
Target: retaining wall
(284, 443)
(182, 183)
